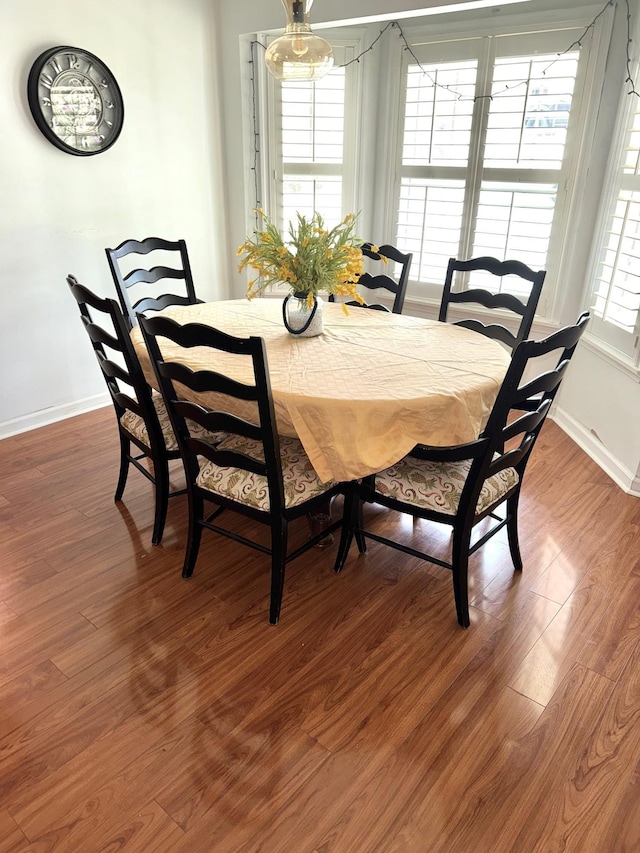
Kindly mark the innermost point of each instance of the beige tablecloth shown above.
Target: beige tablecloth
(365, 392)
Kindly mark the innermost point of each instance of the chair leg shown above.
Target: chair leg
(278, 554)
(367, 492)
(349, 520)
(125, 451)
(460, 564)
(361, 542)
(512, 531)
(161, 477)
(196, 514)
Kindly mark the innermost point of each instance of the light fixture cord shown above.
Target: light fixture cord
(298, 12)
(255, 131)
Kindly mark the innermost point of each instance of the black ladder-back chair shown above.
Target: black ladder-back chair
(524, 309)
(460, 486)
(139, 413)
(142, 299)
(254, 472)
(383, 281)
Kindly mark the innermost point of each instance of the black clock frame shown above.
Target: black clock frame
(34, 98)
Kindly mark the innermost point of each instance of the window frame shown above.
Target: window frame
(617, 345)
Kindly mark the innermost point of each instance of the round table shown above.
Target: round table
(362, 394)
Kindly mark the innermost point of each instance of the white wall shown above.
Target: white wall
(59, 212)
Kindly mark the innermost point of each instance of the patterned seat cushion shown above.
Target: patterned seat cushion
(300, 480)
(437, 486)
(136, 426)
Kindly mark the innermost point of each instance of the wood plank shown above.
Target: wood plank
(12, 838)
(613, 641)
(420, 783)
(25, 643)
(524, 778)
(555, 652)
(594, 771)
(149, 829)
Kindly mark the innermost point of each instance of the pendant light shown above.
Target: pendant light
(298, 54)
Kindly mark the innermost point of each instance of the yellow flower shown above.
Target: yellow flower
(285, 274)
(309, 257)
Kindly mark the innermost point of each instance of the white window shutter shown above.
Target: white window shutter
(616, 297)
(481, 177)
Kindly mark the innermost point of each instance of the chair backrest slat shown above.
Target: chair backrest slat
(208, 380)
(152, 275)
(489, 330)
(524, 309)
(507, 301)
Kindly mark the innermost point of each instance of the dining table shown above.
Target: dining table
(364, 392)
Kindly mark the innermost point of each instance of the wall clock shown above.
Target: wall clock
(75, 100)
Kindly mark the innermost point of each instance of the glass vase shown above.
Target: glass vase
(301, 319)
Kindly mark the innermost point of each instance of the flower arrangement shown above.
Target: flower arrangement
(312, 259)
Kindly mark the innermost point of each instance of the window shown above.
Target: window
(616, 297)
(467, 146)
(482, 163)
(312, 147)
(314, 128)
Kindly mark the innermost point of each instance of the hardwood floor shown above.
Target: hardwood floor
(143, 712)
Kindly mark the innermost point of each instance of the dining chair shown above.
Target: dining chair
(138, 289)
(521, 308)
(384, 281)
(461, 486)
(142, 418)
(254, 471)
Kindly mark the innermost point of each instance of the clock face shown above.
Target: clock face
(75, 100)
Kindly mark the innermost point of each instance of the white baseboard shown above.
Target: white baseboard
(52, 415)
(620, 474)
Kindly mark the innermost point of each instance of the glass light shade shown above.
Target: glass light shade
(298, 54)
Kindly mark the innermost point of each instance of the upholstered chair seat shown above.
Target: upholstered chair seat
(301, 483)
(135, 425)
(438, 486)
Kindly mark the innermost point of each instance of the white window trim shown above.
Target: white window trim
(627, 363)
